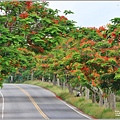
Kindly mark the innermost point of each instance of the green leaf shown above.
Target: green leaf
(7, 63)
(117, 76)
(68, 12)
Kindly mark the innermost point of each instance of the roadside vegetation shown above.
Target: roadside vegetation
(85, 106)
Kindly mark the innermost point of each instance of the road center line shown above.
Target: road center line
(33, 101)
(3, 103)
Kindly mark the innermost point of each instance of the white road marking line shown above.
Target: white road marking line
(2, 105)
(75, 109)
(72, 107)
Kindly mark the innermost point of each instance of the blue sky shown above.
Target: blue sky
(89, 13)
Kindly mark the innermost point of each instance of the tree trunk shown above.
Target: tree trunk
(112, 101)
(106, 103)
(49, 79)
(81, 91)
(101, 100)
(54, 79)
(94, 97)
(63, 84)
(58, 82)
(87, 91)
(43, 79)
(70, 88)
(11, 78)
(32, 73)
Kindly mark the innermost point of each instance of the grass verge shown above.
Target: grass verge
(85, 106)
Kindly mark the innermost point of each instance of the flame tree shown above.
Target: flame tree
(30, 27)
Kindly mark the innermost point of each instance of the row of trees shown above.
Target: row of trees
(88, 58)
(35, 38)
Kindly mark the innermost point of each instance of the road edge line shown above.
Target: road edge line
(73, 108)
(2, 104)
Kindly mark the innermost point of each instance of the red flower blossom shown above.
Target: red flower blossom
(14, 18)
(10, 23)
(29, 3)
(106, 58)
(15, 3)
(33, 32)
(101, 28)
(110, 40)
(93, 83)
(115, 68)
(63, 18)
(113, 34)
(30, 7)
(40, 6)
(104, 35)
(55, 21)
(78, 77)
(24, 15)
(85, 69)
(25, 26)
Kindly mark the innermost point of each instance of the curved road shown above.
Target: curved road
(30, 102)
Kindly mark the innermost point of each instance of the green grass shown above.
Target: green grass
(84, 105)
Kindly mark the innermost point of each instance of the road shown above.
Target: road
(30, 102)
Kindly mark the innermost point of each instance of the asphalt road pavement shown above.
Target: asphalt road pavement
(30, 102)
